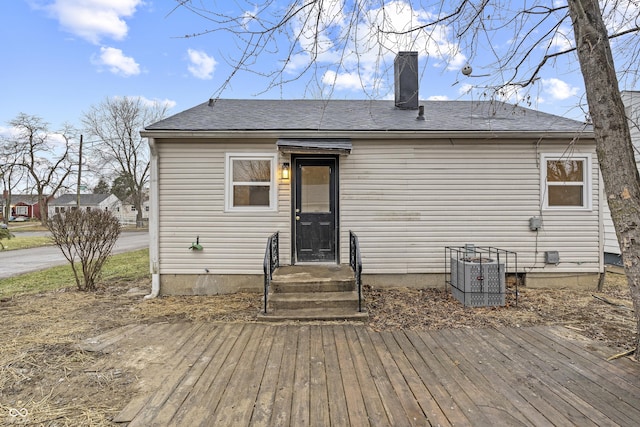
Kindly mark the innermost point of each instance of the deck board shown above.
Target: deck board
(507, 382)
(547, 378)
(346, 374)
(318, 387)
(269, 381)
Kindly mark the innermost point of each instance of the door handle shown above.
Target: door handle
(297, 217)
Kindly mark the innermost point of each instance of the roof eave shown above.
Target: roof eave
(392, 134)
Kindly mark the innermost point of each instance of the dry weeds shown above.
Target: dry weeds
(45, 379)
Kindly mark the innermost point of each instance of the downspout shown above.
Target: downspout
(602, 196)
(154, 226)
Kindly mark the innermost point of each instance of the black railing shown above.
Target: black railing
(355, 261)
(271, 262)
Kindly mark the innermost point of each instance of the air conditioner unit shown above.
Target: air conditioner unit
(478, 281)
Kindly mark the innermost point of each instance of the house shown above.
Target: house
(24, 205)
(65, 202)
(631, 101)
(409, 177)
(129, 214)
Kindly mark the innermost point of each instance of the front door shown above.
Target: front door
(315, 216)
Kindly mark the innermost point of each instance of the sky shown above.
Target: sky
(60, 57)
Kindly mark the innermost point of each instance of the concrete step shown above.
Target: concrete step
(311, 314)
(300, 300)
(313, 292)
(279, 286)
(324, 278)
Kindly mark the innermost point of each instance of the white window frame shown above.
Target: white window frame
(586, 182)
(228, 187)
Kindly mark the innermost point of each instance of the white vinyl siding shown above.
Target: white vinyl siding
(610, 239)
(407, 202)
(192, 205)
(631, 101)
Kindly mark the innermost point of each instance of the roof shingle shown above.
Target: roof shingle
(362, 115)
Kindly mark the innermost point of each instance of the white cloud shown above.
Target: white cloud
(154, 102)
(438, 98)
(117, 62)
(202, 65)
(7, 132)
(465, 89)
(365, 49)
(563, 39)
(249, 16)
(94, 19)
(620, 15)
(342, 81)
(559, 89)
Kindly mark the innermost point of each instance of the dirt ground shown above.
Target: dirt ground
(46, 379)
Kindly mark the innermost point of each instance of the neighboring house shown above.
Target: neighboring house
(631, 101)
(107, 202)
(409, 178)
(129, 214)
(25, 205)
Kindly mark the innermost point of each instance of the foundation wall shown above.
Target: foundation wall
(214, 284)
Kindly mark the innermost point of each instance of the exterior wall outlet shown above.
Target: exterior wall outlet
(551, 257)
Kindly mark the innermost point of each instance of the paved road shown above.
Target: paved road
(26, 260)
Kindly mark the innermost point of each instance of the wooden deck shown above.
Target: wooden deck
(348, 375)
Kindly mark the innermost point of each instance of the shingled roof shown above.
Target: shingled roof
(85, 199)
(362, 116)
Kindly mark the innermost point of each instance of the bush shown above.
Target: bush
(4, 234)
(87, 237)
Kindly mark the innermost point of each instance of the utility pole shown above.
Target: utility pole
(79, 174)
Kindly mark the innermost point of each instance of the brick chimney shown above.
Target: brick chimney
(406, 80)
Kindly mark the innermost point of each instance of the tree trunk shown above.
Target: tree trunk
(43, 203)
(613, 138)
(7, 207)
(138, 205)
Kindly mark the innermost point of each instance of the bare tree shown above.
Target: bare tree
(116, 123)
(46, 161)
(11, 175)
(323, 38)
(87, 237)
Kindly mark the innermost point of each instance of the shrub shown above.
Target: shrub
(87, 237)
(4, 234)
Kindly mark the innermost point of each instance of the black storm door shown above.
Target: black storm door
(315, 210)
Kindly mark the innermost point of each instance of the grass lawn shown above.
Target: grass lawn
(27, 226)
(25, 242)
(128, 266)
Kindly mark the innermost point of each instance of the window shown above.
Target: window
(133, 208)
(250, 182)
(22, 210)
(566, 181)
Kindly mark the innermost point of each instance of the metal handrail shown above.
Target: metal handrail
(355, 261)
(270, 263)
